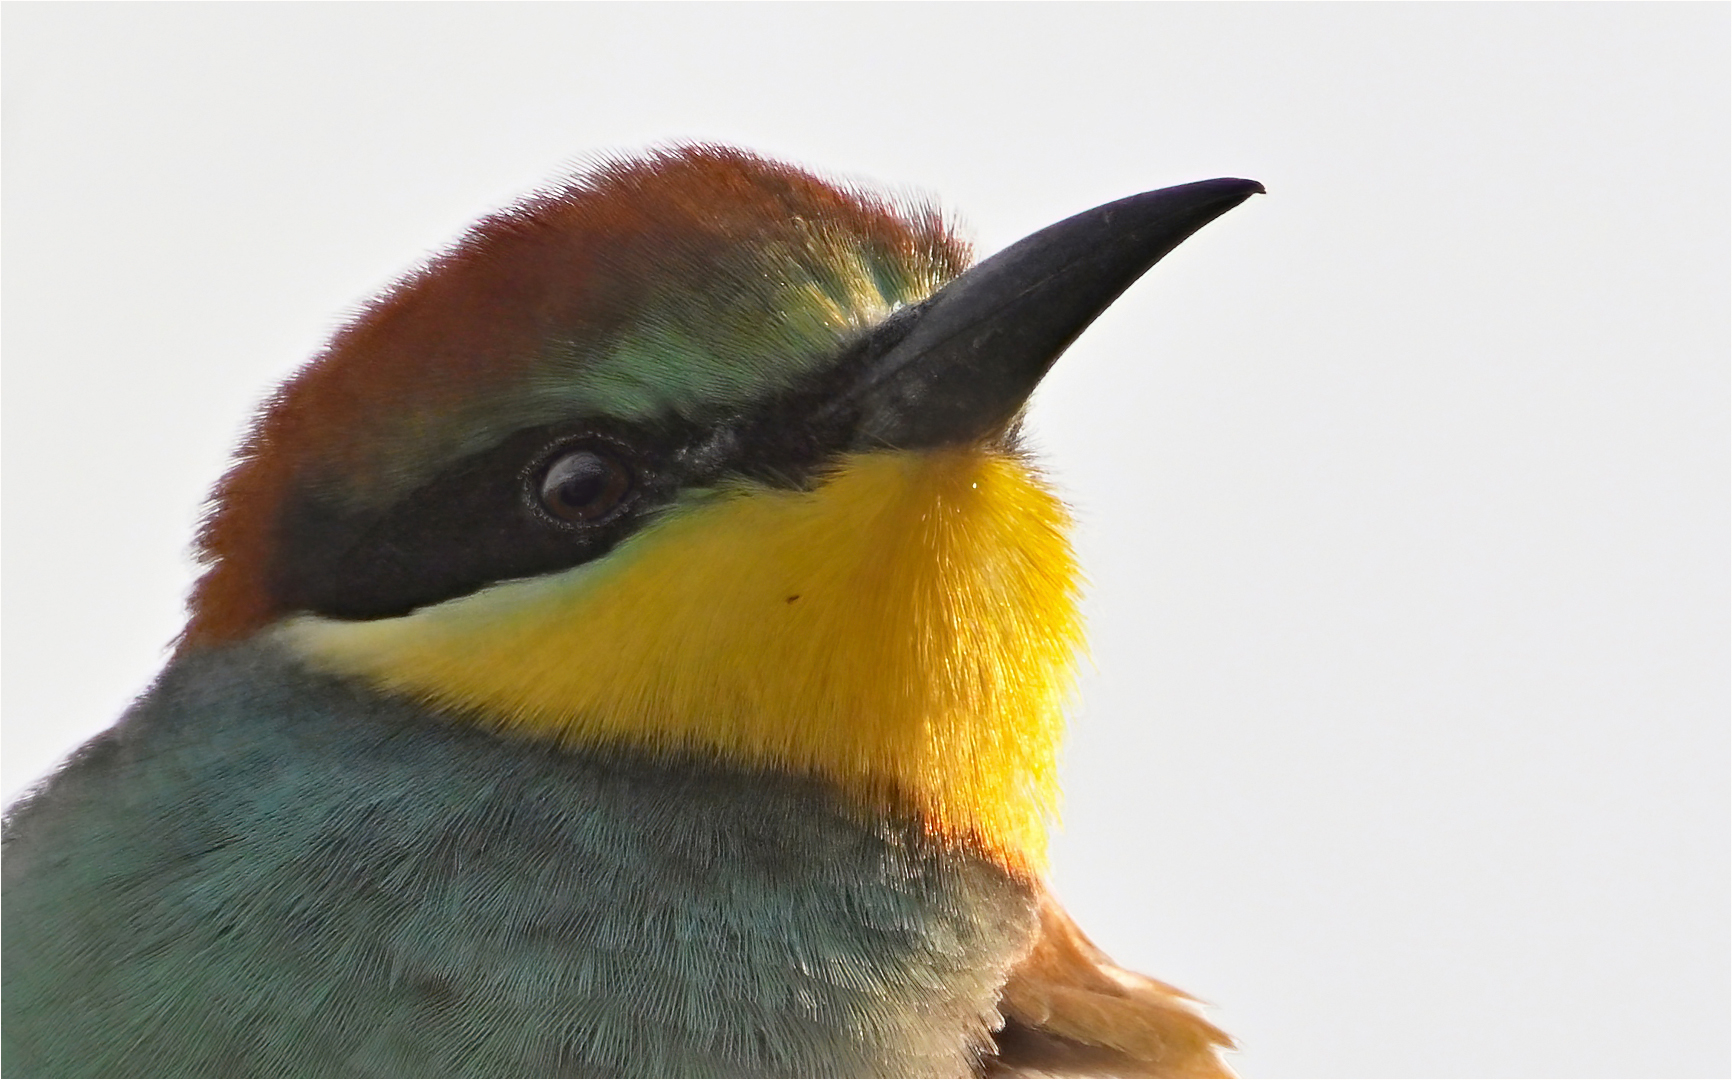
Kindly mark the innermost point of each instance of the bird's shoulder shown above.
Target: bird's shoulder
(1070, 1011)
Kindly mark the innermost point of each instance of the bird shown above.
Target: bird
(637, 644)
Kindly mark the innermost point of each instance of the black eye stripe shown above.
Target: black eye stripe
(484, 518)
(480, 521)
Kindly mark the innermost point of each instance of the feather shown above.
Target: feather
(1070, 1011)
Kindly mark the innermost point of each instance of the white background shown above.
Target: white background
(1402, 489)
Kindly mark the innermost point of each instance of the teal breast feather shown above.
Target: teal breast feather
(269, 871)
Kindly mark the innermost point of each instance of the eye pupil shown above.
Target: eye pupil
(584, 486)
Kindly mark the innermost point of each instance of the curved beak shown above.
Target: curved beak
(960, 366)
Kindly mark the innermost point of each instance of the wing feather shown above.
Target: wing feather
(1070, 1011)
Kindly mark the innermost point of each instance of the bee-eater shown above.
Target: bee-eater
(636, 646)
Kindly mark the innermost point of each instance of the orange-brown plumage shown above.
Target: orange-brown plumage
(1070, 1011)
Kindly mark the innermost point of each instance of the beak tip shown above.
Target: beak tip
(1229, 187)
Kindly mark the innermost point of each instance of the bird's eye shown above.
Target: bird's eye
(584, 487)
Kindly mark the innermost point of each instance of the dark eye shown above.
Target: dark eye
(584, 486)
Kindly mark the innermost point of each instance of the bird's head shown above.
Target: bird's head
(701, 455)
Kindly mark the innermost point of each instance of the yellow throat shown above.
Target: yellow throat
(908, 630)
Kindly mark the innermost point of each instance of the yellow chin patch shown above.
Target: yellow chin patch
(907, 630)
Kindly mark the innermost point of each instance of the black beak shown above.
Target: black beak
(960, 366)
